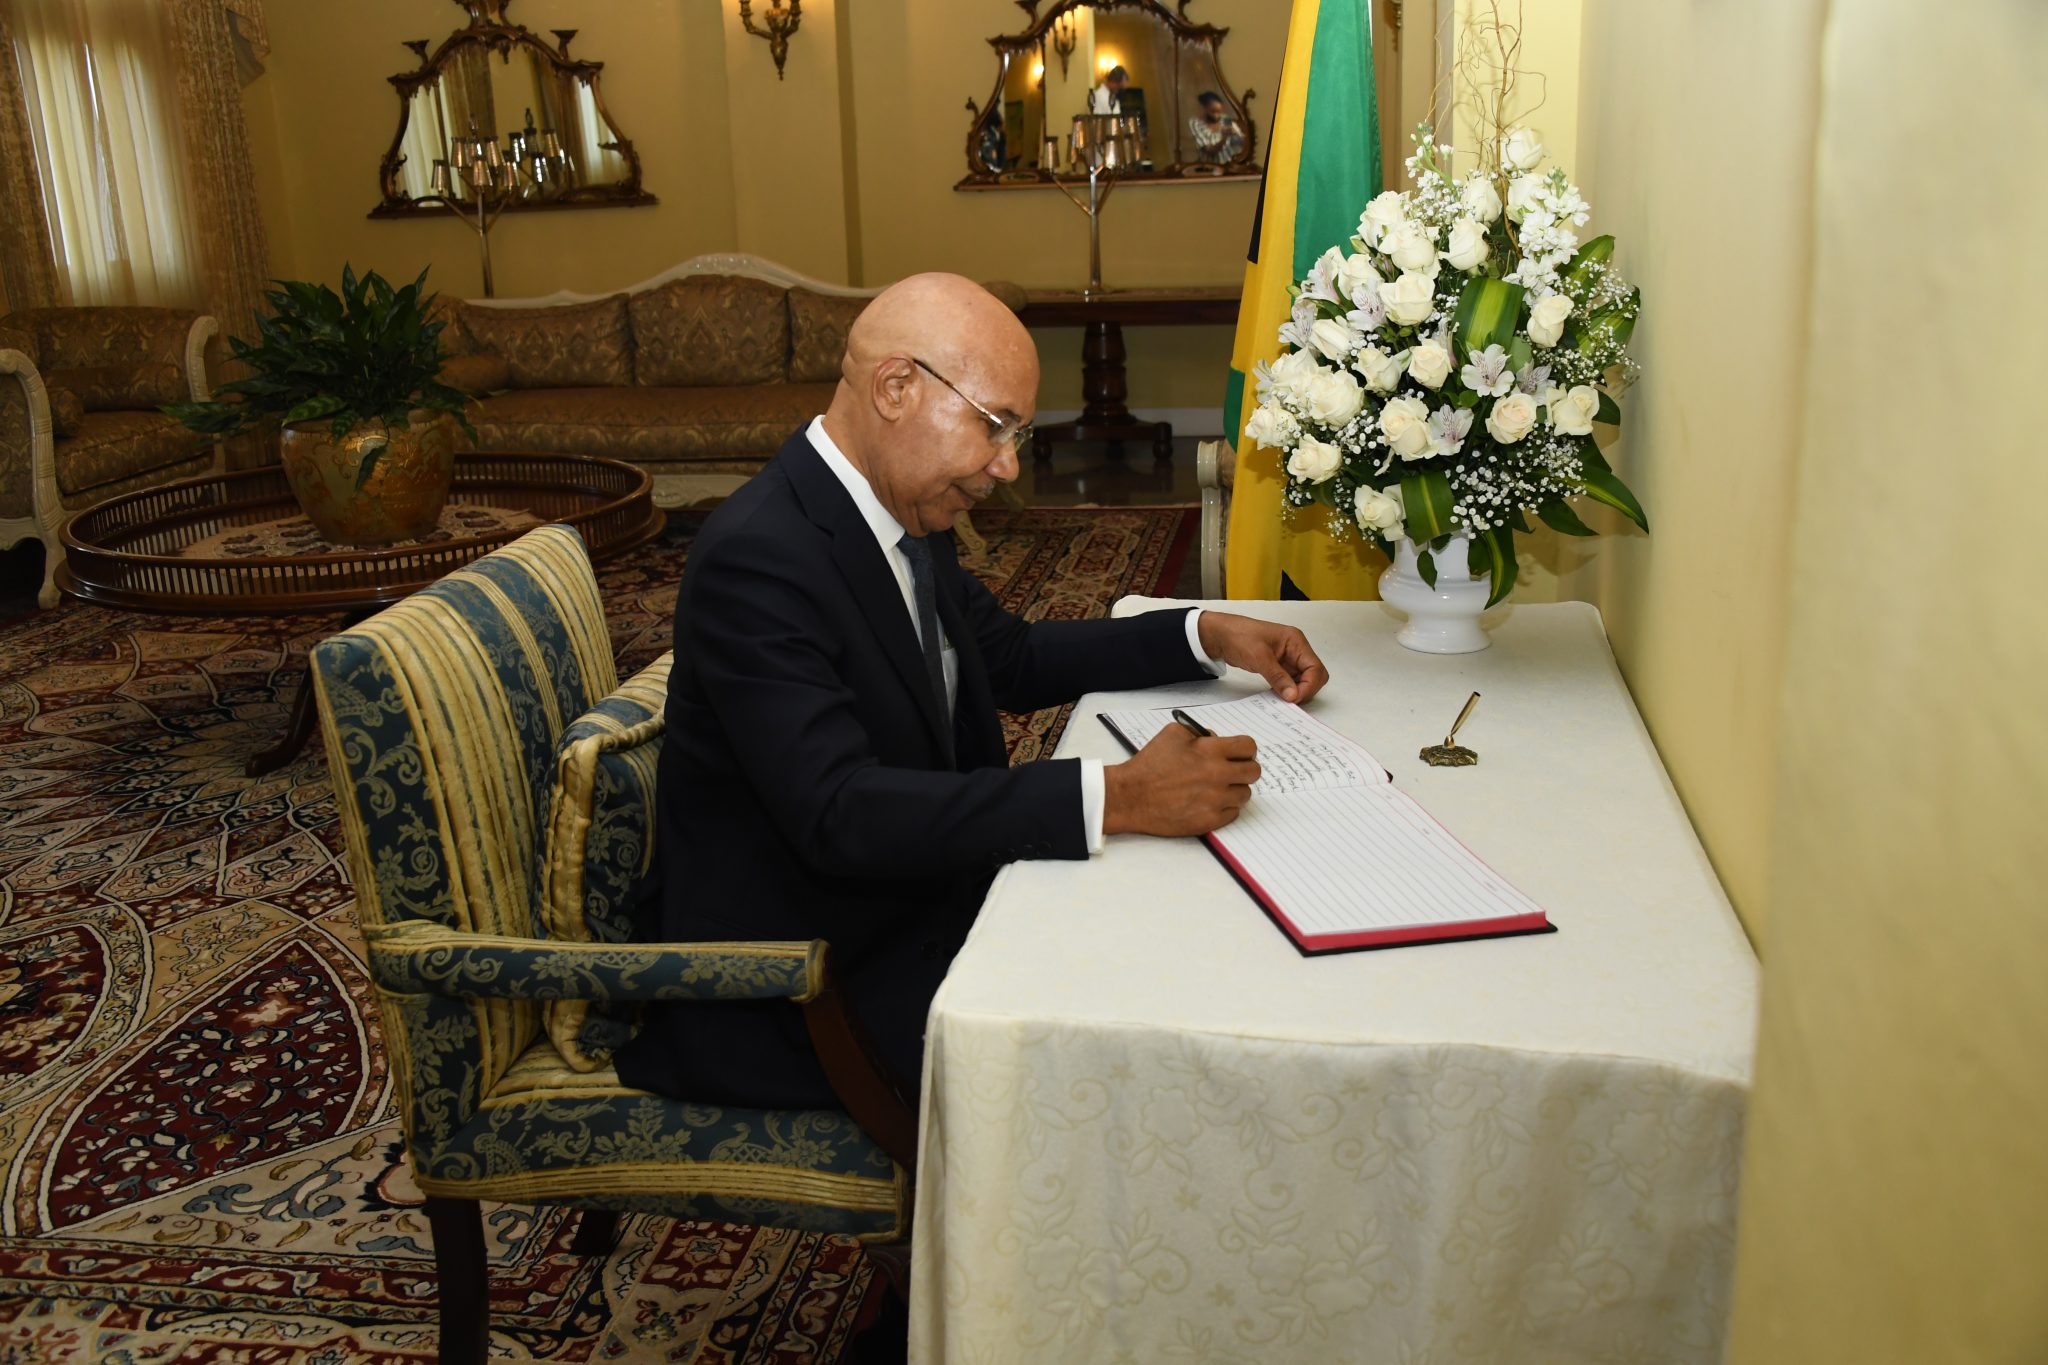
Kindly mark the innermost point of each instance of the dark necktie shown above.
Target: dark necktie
(920, 556)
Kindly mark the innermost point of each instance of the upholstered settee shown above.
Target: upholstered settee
(697, 375)
(80, 390)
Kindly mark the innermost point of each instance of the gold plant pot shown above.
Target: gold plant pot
(400, 497)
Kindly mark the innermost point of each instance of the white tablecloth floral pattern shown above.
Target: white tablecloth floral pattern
(1153, 1132)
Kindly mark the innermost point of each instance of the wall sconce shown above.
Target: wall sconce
(1063, 40)
(782, 19)
(1107, 62)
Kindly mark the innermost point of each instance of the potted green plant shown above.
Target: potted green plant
(368, 441)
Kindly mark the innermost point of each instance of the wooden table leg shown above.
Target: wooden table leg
(298, 728)
(1104, 387)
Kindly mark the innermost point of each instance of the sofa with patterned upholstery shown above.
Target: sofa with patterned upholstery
(79, 418)
(697, 375)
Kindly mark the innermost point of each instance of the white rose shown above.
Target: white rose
(1525, 192)
(1381, 370)
(1511, 418)
(1294, 372)
(1334, 398)
(1383, 212)
(1480, 199)
(1382, 512)
(1546, 319)
(1272, 426)
(1409, 300)
(1405, 424)
(1411, 245)
(1521, 150)
(1467, 250)
(1357, 273)
(1334, 338)
(1430, 363)
(1572, 410)
(1314, 461)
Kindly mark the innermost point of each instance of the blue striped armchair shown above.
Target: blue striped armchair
(445, 719)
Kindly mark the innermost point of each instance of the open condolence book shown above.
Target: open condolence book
(1331, 851)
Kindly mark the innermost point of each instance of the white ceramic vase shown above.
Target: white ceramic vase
(1443, 619)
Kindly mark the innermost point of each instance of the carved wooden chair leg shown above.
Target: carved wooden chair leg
(597, 1232)
(458, 1226)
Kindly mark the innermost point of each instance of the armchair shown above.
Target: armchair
(79, 389)
(443, 717)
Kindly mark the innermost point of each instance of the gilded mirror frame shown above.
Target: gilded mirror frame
(1032, 44)
(494, 35)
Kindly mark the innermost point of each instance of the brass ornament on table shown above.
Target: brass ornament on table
(377, 485)
(782, 19)
(1107, 145)
(1450, 754)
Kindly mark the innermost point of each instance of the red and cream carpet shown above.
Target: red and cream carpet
(200, 1157)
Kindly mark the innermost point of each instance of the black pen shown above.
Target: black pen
(1195, 727)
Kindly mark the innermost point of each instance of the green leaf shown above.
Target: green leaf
(1488, 310)
(1610, 411)
(1495, 551)
(1603, 486)
(1598, 251)
(1520, 352)
(1425, 564)
(1426, 499)
(1558, 515)
(320, 405)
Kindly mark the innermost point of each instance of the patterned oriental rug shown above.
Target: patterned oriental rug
(200, 1158)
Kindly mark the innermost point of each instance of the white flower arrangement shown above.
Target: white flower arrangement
(1443, 376)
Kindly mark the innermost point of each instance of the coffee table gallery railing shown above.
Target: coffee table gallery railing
(237, 545)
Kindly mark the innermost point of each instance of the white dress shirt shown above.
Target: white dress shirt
(887, 531)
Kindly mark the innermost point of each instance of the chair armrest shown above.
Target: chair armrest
(28, 473)
(419, 957)
(203, 329)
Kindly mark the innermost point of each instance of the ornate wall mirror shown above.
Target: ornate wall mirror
(542, 111)
(1131, 57)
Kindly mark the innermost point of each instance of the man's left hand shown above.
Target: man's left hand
(1279, 654)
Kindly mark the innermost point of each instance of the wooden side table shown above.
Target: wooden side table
(1104, 387)
(131, 551)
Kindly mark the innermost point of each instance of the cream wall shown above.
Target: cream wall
(1696, 147)
(843, 170)
(1895, 1189)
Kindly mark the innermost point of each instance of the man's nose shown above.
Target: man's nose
(1005, 467)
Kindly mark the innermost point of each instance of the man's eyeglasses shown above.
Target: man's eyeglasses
(1000, 430)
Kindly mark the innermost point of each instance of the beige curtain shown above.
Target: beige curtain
(233, 259)
(102, 110)
(28, 265)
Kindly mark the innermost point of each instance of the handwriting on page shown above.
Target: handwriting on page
(1297, 752)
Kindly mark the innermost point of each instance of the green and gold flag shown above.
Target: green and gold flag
(1322, 167)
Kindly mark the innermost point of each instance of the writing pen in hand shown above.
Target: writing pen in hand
(1195, 727)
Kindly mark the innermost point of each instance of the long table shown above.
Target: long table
(1152, 1131)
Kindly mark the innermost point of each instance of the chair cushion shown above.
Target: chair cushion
(67, 412)
(818, 324)
(647, 424)
(477, 372)
(121, 388)
(712, 329)
(573, 345)
(14, 337)
(67, 338)
(545, 1133)
(112, 446)
(599, 844)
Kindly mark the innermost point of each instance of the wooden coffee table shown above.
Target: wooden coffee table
(129, 551)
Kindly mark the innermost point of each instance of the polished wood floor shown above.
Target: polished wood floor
(1075, 476)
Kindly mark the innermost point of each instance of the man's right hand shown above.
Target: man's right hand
(1179, 784)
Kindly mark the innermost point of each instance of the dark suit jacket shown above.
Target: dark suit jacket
(805, 788)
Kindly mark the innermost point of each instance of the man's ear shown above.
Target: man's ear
(892, 388)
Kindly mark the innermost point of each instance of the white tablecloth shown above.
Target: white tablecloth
(1153, 1132)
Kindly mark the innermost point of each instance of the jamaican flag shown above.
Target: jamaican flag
(1322, 166)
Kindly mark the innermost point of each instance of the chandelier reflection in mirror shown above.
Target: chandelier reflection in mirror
(559, 149)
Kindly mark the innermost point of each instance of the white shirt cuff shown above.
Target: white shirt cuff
(1093, 796)
(1216, 667)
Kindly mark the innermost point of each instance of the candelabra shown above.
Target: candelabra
(477, 179)
(782, 19)
(1106, 145)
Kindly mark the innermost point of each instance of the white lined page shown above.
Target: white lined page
(1363, 859)
(1297, 752)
